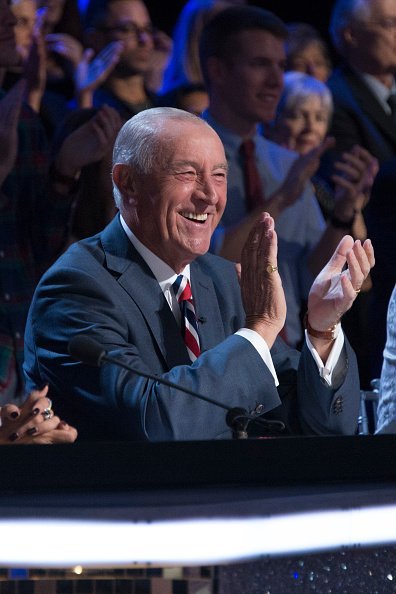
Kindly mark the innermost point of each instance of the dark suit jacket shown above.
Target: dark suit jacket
(359, 118)
(102, 287)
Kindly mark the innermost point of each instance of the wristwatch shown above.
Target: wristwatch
(329, 334)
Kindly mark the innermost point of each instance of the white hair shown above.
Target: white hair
(139, 143)
(298, 87)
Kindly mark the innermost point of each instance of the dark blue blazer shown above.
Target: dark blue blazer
(102, 287)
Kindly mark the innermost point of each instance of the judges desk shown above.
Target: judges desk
(118, 503)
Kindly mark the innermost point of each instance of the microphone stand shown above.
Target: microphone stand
(237, 418)
(86, 349)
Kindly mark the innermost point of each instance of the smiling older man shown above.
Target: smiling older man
(146, 289)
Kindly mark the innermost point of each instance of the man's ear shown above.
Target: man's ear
(216, 69)
(349, 36)
(124, 180)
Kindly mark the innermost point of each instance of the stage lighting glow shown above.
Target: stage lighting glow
(67, 543)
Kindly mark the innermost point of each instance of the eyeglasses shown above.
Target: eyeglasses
(130, 29)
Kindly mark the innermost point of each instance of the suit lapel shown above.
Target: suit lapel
(368, 103)
(211, 327)
(136, 278)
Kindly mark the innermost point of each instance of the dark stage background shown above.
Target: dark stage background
(164, 14)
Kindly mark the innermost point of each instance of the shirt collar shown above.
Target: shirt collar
(229, 138)
(164, 274)
(381, 91)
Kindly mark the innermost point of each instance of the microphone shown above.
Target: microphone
(88, 350)
(83, 348)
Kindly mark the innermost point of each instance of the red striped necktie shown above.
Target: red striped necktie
(254, 194)
(189, 325)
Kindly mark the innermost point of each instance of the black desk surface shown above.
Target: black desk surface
(173, 479)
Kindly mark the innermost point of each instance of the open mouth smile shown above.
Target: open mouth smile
(192, 216)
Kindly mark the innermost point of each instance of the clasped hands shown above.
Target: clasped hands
(32, 424)
(332, 293)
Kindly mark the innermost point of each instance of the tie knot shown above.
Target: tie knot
(247, 148)
(182, 288)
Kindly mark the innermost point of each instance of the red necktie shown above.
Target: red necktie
(253, 187)
(189, 325)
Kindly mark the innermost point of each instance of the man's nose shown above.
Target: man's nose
(143, 36)
(310, 69)
(275, 78)
(206, 190)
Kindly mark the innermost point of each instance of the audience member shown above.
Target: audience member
(94, 207)
(363, 33)
(31, 48)
(33, 423)
(387, 403)
(363, 87)
(63, 17)
(243, 58)
(302, 120)
(127, 21)
(154, 76)
(62, 30)
(307, 52)
(60, 55)
(130, 288)
(35, 203)
(25, 23)
(192, 97)
(92, 71)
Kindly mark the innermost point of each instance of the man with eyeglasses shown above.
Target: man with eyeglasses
(127, 21)
(364, 91)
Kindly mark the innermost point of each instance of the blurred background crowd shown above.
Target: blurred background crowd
(71, 73)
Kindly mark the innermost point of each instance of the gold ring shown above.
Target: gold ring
(270, 269)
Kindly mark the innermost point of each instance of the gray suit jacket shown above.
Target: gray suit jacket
(103, 288)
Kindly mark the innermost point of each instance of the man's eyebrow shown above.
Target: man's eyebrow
(222, 165)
